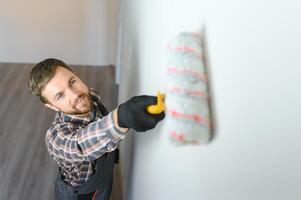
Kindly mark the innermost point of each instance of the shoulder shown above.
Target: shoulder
(58, 134)
(59, 129)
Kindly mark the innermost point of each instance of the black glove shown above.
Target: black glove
(133, 114)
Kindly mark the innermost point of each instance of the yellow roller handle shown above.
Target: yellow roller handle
(159, 107)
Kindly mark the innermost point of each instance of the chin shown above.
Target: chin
(84, 107)
(78, 111)
(82, 110)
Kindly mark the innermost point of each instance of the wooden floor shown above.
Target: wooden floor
(26, 170)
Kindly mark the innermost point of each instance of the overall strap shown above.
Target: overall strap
(101, 107)
(105, 112)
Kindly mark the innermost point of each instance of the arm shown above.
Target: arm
(86, 144)
(65, 142)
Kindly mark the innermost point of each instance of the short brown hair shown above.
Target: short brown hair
(41, 73)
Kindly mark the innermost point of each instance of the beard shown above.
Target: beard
(82, 108)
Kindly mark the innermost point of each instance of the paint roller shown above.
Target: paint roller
(188, 119)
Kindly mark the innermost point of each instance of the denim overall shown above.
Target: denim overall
(99, 185)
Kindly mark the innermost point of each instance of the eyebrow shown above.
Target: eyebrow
(60, 93)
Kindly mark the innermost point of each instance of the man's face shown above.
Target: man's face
(65, 92)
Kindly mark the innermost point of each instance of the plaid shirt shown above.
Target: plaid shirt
(74, 142)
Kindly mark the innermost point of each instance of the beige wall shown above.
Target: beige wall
(74, 30)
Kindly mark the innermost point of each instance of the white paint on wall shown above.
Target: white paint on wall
(79, 32)
(254, 65)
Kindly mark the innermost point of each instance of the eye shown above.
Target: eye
(72, 82)
(59, 96)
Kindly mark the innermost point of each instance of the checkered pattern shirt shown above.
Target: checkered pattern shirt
(75, 142)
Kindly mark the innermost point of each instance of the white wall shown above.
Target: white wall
(79, 32)
(254, 49)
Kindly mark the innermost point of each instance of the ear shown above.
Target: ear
(51, 106)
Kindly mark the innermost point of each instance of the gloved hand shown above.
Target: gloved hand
(133, 114)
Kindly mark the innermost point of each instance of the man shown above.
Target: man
(84, 137)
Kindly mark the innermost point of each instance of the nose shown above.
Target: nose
(73, 96)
